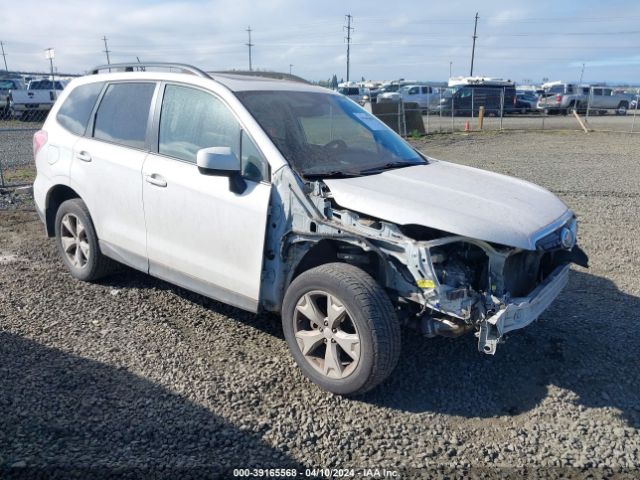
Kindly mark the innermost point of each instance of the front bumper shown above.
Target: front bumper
(521, 311)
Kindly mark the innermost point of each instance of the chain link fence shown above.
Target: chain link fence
(16, 153)
(495, 109)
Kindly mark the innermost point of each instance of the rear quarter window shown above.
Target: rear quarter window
(123, 114)
(75, 111)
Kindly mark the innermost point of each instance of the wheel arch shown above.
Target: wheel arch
(55, 197)
(330, 250)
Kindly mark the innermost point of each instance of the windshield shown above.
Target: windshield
(322, 134)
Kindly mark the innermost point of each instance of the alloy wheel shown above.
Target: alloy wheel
(75, 243)
(326, 334)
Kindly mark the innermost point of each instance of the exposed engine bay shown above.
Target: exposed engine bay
(441, 283)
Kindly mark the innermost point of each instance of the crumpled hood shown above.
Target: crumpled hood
(456, 199)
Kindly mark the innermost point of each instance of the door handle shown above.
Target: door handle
(155, 179)
(84, 156)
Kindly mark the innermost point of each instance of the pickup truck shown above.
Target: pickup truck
(423, 95)
(602, 99)
(7, 85)
(39, 97)
(560, 97)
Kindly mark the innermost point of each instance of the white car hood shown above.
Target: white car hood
(456, 199)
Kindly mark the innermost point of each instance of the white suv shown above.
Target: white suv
(285, 197)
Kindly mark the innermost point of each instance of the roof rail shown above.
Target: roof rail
(131, 67)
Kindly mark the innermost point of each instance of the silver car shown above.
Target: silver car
(284, 197)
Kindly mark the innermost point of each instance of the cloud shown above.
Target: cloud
(410, 39)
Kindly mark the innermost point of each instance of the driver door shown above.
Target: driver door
(201, 235)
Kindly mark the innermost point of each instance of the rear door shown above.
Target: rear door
(597, 100)
(200, 234)
(107, 169)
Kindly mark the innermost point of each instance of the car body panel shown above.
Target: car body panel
(198, 227)
(456, 199)
(111, 187)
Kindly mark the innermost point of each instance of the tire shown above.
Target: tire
(622, 108)
(365, 322)
(78, 243)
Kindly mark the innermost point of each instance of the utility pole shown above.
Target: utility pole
(106, 50)
(450, 67)
(4, 56)
(49, 53)
(348, 27)
(473, 51)
(290, 67)
(582, 73)
(249, 45)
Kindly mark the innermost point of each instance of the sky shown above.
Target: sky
(521, 40)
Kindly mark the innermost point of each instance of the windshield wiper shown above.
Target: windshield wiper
(389, 166)
(331, 174)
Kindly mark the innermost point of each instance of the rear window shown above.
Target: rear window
(7, 84)
(123, 114)
(45, 85)
(76, 109)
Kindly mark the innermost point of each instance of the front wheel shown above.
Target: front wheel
(341, 328)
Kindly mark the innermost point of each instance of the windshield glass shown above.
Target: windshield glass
(324, 134)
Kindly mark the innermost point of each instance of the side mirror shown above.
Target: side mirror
(217, 161)
(221, 161)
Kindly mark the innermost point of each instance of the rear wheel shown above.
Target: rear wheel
(622, 108)
(78, 243)
(341, 328)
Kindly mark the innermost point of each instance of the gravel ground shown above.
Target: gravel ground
(133, 375)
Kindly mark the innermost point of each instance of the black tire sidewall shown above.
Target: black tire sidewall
(317, 281)
(78, 208)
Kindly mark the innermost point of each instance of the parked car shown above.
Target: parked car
(605, 98)
(289, 198)
(423, 95)
(39, 96)
(560, 97)
(7, 85)
(356, 93)
(497, 99)
(635, 104)
(386, 93)
(525, 102)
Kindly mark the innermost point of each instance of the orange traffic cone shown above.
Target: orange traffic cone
(467, 128)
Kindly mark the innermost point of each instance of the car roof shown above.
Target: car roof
(242, 82)
(239, 81)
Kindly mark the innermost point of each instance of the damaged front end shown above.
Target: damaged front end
(442, 284)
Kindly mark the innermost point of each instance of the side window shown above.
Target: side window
(123, 114)
(426, 89)
(414, 90)
(254, 166)
(597, 91)
(607, 92)
(192, 119)
(76, 109)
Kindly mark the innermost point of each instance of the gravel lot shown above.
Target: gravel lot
(134, 375)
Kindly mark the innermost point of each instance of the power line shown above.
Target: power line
(4, 56)
(473, 50)
(249, 44)
(348, 27)
(106, 49)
